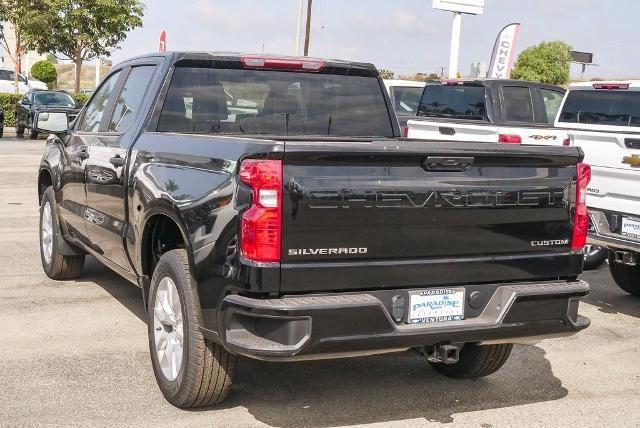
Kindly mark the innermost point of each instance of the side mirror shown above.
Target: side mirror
(25, 101)
(55, 123)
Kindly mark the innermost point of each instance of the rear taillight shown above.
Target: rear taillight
(509, 139)
(261, 223)
(405, 131)
(289, 64)
(580, 214)
(611, 86)
(566, 142)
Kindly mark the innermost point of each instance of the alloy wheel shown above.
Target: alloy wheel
(168, 329)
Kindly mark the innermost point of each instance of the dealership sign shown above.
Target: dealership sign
(474, 7)
(503, 52)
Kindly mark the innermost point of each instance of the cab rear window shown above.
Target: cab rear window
(262, 102)
(454, 101)
(602, 107)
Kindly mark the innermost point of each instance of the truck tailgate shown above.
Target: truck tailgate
(484, 132)
(387, 214)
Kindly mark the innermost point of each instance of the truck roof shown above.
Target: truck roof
(175, 56)
(607, 84)
(490, 81)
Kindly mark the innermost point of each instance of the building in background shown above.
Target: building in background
(479, 69)
(7, 58)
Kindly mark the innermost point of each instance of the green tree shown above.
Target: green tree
(386, 74)
(547, 62)
(45, 72)
(81, 30)
(14, 12)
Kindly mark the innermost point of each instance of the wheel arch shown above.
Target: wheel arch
(164, 218)
(45, 179)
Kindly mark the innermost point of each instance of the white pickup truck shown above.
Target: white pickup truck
(604, 120)
(489, 110)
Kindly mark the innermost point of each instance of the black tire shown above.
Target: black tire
(476, 361)
(58, 266)
(206, 370)
(595, 257)
(1, 128)
(19, 130)
(33, 135)
(627, 277)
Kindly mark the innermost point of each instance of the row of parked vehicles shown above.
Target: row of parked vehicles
(270, 207)
(600, 117)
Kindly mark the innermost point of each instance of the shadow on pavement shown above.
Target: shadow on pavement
(128, 294)
(363, 390)
(384, 388)
(607, 296)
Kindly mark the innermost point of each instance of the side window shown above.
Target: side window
(552, 101)
(95, 108)
(130, 98)
(518, 106)
(4, 75)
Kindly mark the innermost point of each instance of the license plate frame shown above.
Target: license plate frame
(432, 309)
(630, 227)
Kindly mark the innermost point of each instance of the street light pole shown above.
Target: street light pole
(308, 29)
(455, 45)
(299, 26)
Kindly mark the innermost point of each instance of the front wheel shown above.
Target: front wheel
(476, 361)
(54, 264)
(626, 276)
(19, 129)
(594, 256)
(33, 135)
(190, 371)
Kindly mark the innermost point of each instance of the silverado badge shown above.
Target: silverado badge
(633, 160)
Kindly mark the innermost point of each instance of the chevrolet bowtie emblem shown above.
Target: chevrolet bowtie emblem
(633, 160)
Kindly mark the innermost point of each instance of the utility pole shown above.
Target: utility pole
(308, 30)
(98, 62)
(455, 45)
(299, 26)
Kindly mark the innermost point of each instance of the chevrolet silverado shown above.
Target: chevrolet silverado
(267, 207)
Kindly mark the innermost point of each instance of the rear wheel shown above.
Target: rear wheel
(19, 129)
(190, 371)
(627, 277)
(594, 256)
(476, 361)
(1, 127)
(54, 264)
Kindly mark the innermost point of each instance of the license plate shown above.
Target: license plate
(436, 305)
(630, 227)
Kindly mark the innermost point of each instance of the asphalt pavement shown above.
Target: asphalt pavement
(76, 353)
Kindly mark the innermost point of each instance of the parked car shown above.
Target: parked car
(489, 110)
(1, 122)
(603, 118)
(305, 227)
(45, 110)
(405, 97)
(7, 83)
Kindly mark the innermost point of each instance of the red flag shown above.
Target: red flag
(162, 47)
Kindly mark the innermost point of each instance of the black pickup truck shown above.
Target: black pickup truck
(267, 207)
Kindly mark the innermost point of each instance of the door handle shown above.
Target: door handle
(117, 161)
(447, 163)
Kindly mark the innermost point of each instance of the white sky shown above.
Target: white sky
(406, 36)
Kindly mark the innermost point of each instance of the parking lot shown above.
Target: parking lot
(76, 353)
